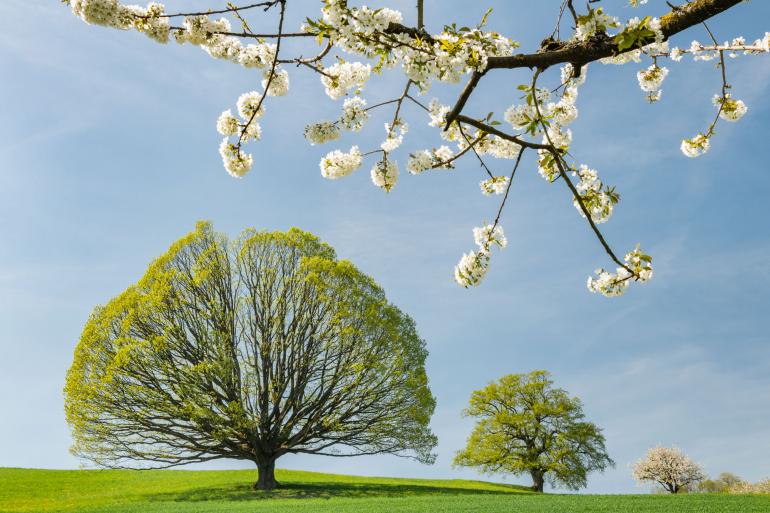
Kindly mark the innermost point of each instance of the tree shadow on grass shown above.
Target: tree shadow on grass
(326, 490)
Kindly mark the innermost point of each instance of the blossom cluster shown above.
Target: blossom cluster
(150, 20)
(539, 116)
(645, 37)
(650, 81)
(250, 109)
(707, 52)
(696, 146)
(494, 185)
(597, 199)
(730, 109)
(395, 137)
(424, 58)
(384, 174)
(465, 140)
(429, 159)
(353, 118)
(212, 36)
(337, 164)
(638, 266)
(354, 114)
(323, 132)
(594, 22)
(339, 78)
(473, 266)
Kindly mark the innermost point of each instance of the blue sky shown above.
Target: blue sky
(108, 154)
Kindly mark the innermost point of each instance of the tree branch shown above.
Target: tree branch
(583, 52)
(420, 15)
(580, 53)
(494, 131)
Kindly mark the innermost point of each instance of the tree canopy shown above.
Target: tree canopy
(670, 468)
(527, 426)
(248, 349)
(347, 45)
(723, 483)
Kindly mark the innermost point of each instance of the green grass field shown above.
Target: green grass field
(177, 491)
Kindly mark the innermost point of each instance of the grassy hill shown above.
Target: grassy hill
(178, 491)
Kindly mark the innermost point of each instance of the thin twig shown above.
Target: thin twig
(267, 5)
(507, 189)
(270, 77)
(483, 164)
(551, 147)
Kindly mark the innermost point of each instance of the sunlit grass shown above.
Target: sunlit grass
(178, 491)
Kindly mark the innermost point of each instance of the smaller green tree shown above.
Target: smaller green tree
(723, 483)
(527, 426)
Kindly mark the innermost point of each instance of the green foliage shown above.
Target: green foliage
(721, 484)
(635, 37)
(528, 426)
(249, 349)
(179, 491)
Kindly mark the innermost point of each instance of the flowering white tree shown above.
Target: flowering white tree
(669, 467)
(762, 486)
(381, 40)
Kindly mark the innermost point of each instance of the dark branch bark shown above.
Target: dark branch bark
(583, 52)
(492, 130)
(677, 20)
(397, 28)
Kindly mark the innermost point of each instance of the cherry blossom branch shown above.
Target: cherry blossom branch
(572, 11)
(270, 77)
(563, 173)
(234, 9)
(445, 57)
(730, 47)
(580, 53)
(244, 23)
(725, 85)
(565, 4)
(494, 131)
(382, 104)
(310, 63)
(463, 98)
(248, 35)
(417, 102)
(507, 189)
(471, 144)
(481, 161)
(420, 15)
(399, 101)
(559, 159)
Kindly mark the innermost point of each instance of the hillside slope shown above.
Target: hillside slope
(184, 491)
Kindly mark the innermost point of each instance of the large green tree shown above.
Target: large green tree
(251, 349)
(526, 425)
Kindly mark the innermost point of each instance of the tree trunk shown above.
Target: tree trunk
(538, 480)
(266, 479)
